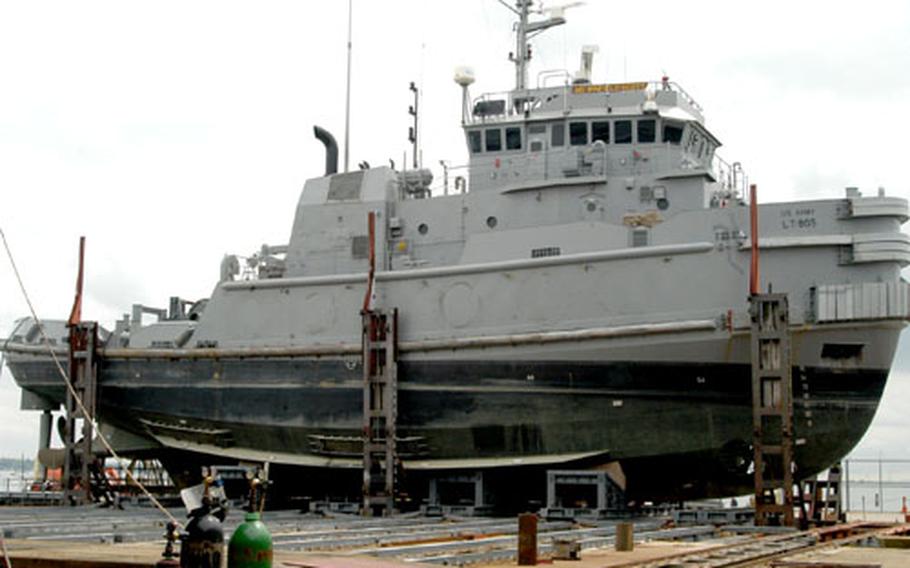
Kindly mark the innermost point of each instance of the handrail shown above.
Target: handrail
(552, 73)
(509, 96)
(732, 177)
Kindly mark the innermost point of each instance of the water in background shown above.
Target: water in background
(12, 480)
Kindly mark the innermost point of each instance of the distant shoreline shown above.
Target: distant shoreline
(17, 463)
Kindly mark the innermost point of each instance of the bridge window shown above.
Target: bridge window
(600, 130)
(493, 138)
(557, 135)
(673, 133)
(513, 138)
(474, 142)
(691, 141)
(536, 135)
(622, 132)
(578, 133)
(647, 131)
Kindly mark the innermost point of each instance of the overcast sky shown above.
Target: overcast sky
(171, 133)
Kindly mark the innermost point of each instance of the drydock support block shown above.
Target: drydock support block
(440, 504)
(607, 496)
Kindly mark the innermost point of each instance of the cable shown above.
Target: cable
(73, 392)
(6, 560)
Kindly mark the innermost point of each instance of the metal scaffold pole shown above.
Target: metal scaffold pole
(83, 370)
(772, 392)
(380, 396)
(83, 374)
(380, 412)
(772, 410)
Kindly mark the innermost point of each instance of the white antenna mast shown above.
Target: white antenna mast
(347, 103)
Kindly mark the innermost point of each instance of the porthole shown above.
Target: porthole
(591, 206)
(663, 204)
(492, 222)
(423, 229)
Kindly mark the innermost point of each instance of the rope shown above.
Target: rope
(73, 392)
(6, 561)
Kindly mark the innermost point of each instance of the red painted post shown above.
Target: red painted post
(371, 231)
(76, 313)
(527, 539)
(754, 285)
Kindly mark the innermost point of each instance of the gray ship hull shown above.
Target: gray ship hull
(679, 425)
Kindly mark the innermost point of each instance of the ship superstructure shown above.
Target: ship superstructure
(577, 299)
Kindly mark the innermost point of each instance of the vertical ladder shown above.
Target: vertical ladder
(380, 411)
(83, 376)
(772, 409)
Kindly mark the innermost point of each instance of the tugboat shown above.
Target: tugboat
(579, 300)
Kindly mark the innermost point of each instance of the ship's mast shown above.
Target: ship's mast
(522, 53)
(347, 97)
(524, 30)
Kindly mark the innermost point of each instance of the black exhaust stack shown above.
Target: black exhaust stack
(331, 149)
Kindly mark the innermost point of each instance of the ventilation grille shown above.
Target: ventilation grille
(640, 238)
(545, 251)
(360, 246)
(345, 187)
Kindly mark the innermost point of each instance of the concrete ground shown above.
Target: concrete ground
(49, 554)
(855, 556)
(45, 554)
(609, 558)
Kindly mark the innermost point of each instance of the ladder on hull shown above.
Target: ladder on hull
(772, 410)
(380, 411)
(83, 376)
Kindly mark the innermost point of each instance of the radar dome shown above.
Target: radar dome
(464, 76)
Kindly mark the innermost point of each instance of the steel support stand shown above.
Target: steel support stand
(380, 411)
(44, 441)
(83, 376)
(825, 504)
(772, 410)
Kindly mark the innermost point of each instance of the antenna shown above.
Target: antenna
(347, 102)
(525, 29)
(412, 131)
(464, 77)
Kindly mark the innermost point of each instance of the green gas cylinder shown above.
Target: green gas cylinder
(251, 544)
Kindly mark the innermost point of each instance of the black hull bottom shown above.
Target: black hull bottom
(680, 431)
